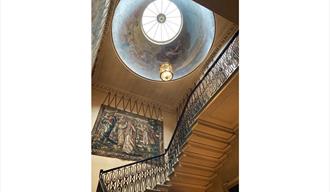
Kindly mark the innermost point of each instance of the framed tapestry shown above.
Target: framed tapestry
(126, 135)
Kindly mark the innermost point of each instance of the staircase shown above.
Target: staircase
(208, 144)
(201, 141)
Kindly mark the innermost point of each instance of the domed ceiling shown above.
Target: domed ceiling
(143, 45)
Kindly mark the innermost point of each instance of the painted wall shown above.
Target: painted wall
(99, 162)
(229, 172)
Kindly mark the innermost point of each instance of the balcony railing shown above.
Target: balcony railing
(147, 173)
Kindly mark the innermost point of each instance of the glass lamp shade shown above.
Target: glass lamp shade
(166, 72)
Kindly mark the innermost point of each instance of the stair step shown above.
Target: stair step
(166, 186)
(194, 171)
(203, 151)
(200, 140)
(196, 155)
(202, 161)
(184, 187)
(163, 187)
(153, 190)
(212, 137)
(190, 180)
(196, 166)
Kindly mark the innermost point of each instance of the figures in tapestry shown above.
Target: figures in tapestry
(126, 135)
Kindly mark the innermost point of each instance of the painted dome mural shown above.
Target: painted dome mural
(143, 48)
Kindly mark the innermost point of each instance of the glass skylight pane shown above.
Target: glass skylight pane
(161, 21)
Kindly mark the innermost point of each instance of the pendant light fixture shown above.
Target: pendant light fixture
(166, 72)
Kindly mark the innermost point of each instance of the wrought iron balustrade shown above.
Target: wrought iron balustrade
(136, 176)
(147, 173)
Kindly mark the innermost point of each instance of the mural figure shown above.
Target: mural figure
(108, 123)
(130, 136)
(126, 135)
(148, 137)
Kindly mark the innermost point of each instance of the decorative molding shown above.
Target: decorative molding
(133, 96)
(133, 104)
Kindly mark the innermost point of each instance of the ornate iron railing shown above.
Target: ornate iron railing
(147, 173)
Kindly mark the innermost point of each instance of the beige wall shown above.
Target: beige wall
(229, 172)
(99, 162)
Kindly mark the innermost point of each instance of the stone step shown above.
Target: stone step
(165, 187)
(153, 190)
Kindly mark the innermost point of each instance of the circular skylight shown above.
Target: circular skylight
(161, 21)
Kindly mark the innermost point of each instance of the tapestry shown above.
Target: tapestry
(126, 135)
